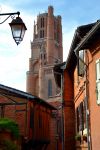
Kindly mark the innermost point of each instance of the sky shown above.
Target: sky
(14, 60)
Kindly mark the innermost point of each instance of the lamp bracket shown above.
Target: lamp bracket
(9, 15)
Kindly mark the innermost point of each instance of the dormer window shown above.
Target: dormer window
(81, 63)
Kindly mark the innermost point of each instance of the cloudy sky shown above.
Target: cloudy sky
(14, 59)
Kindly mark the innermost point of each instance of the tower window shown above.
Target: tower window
(42, 22)
(49, 88)
(41, 56)
(41, 33)
(44, 56)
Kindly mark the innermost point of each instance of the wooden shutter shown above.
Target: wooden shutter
(80, 63)
(98, 81)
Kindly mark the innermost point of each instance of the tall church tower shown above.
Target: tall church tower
(46, 51)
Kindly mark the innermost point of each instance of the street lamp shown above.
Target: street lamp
(17, 25)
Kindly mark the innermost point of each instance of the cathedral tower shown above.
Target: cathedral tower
(46, 51)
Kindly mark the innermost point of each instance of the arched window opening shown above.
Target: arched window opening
(49, 88)
(41, 33)
(42, 22)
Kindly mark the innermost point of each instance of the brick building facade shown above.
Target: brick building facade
(81, 89)
(32, 114)
(46, 51)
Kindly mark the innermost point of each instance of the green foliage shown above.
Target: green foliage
(8, 145)
(7, 124)
(78, 137)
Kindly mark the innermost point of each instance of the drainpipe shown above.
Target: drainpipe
(86, 96)
(62, 88)
(62, 106)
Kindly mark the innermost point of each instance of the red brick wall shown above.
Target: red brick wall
(41, 119)
(94, 108)
(13, 112)
(41, 122)
(80, 93)
(69, 113)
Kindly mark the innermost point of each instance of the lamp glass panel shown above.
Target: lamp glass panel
(16, 31)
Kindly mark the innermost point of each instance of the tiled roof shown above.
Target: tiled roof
(22, 94)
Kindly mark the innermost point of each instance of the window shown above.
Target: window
(81, 117)
(40, 121)
(80, 63)
(31, 118)
(84, 109)
(42, 22)
(44, 56)
(49, 88)
(2, 111)
(41, 56)
(41, 33)
(98, 81)
(77, 120)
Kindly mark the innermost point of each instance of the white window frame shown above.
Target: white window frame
(98, 81)
(80, 63)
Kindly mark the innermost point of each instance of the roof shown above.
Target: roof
(90, 37)
(83, 38)
(18, 93)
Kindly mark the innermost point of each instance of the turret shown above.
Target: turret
(50, 36)
(60, 38)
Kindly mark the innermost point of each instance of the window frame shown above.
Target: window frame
(98, 81)
(80, 64)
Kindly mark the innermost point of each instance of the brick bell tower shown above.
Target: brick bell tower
(46, 51)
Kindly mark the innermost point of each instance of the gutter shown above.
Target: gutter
(85, 39)
(88, 35)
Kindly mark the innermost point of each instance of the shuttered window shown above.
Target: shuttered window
(77, 120)
(81, 117)
(80, 63)
(98, 81)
